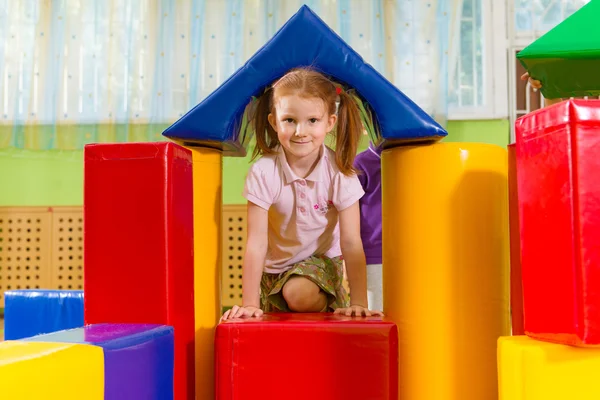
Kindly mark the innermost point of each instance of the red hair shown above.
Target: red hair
(311, 84)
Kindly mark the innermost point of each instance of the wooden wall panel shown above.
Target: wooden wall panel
(67, 249)
(233, 245)
(25, 248)
(40, 248)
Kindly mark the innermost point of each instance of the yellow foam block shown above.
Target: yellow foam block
(207, 178)
(529, 369)
(51, 371)
(445, 266)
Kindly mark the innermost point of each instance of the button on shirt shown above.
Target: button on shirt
(303, 213)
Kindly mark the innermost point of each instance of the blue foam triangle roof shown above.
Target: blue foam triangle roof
(304, 40)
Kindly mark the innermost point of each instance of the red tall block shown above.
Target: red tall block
(138, 225)
(558, 164)
(306, 356)
(516, 278)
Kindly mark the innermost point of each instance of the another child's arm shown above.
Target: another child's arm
(254, 260)
(356, 265)
(538, 85)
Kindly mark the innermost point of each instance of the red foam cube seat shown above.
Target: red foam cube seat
(306, 356)
(558, 168)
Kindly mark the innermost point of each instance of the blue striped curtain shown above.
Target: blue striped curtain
(74, 71)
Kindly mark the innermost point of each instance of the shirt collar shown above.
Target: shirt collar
(375, 150)
(315, 175)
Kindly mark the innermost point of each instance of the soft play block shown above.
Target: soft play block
(327, 356)
(51, 371)
(559, 211)
(139, 262)
(138, 359)
(30, 312)
(445, 266)
(530, 369)
(516, 278)
(567, 58)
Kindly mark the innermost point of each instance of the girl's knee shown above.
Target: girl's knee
(303, 295)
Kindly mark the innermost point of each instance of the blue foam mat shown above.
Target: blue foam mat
(34, 311)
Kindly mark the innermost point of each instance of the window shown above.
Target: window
(485, 37)
(468, 75)
(478, 65)
(532, 18)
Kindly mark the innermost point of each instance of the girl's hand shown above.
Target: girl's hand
(535, 84)
(358, 311)
(240, 312)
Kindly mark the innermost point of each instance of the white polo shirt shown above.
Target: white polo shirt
(303, 213)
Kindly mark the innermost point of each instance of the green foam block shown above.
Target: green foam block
(567, 58)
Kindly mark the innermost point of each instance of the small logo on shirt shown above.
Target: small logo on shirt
(323, 206)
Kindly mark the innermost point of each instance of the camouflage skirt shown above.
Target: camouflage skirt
(327, 273)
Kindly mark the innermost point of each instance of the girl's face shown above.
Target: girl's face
(301, 124)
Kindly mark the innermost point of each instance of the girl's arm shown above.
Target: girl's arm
(254, 260)
(354, 255)
(549, 102)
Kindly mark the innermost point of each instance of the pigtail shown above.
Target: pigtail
(266, 137)
(347, 135)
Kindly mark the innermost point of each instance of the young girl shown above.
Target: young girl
(303, 211)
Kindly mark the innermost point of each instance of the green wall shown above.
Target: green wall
(485, 131)
(41, 178)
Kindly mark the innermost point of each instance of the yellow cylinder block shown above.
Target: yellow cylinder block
(445, 266)
(207, 178)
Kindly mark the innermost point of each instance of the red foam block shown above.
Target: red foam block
(516, 278)
(306, 356)
(138, 254)
(558, 164)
